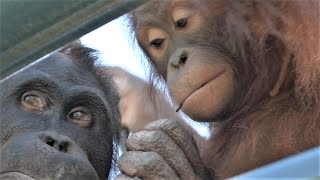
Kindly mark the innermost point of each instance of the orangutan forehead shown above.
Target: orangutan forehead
(157, 11)
(151, 11)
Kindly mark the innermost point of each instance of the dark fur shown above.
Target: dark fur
(88, 58)
(64, 81)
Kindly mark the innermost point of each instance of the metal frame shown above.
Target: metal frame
(30, 29)
(305, 165)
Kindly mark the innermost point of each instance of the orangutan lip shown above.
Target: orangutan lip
(178, 109)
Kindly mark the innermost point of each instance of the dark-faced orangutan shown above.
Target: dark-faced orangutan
(59, 119)
(250, 68)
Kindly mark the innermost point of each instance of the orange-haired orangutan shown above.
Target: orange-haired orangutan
(249, 67)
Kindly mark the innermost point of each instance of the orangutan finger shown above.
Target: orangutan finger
(146, 165)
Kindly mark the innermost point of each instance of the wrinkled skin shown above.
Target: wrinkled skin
(138, 114)
(137, 107)
(163, 150)
(250, 68)
(56, 122)
(200, 80)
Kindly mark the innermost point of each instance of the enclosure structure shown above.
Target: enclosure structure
(31, 29)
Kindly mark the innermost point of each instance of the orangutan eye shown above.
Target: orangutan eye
(33, 100)
(80, 116)
(157, 42)
(181, 23)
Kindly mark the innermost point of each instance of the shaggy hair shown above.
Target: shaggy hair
(275, 55)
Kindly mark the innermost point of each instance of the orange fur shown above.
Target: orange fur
(279, 125)
(278, 114)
